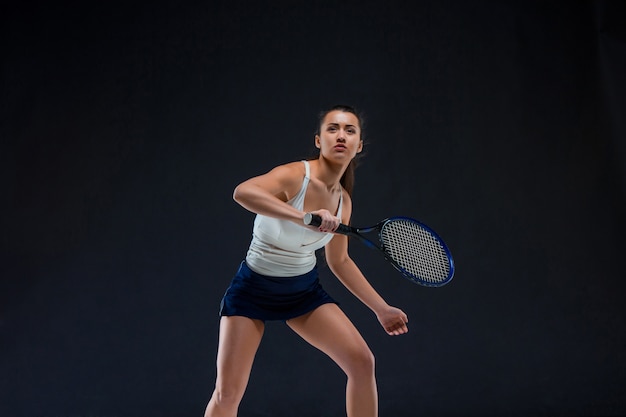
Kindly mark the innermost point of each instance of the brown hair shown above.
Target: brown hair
(347, 180)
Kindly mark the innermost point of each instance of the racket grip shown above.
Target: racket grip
(311, 219)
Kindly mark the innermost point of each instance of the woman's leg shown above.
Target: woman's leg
(328, 329)
(239, 340)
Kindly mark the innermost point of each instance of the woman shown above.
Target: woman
(278, 279)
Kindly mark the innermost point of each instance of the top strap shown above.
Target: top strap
(307, 169)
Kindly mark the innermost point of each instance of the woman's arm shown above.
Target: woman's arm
(393, 320)
(267, 194)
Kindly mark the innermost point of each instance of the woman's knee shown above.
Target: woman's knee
(361, 363)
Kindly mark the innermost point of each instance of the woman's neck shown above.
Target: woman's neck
(329, 174)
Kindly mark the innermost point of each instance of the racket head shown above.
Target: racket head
(416, 251)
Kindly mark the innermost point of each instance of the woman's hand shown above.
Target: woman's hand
(329, 223)
(393, 320)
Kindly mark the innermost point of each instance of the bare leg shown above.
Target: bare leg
(238, 343)
(328, 329)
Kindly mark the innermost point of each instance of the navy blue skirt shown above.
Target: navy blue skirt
(272, 298)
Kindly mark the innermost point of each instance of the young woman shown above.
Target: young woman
(279, 281)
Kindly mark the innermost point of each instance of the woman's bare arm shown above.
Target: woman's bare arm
(267, 194)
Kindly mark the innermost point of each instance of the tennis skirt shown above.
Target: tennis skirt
(272, 298)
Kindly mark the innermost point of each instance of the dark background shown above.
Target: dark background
(126, 126)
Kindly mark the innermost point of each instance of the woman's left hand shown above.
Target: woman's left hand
(393, 320)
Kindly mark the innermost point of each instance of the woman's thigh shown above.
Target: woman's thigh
(239, 340)
(329, 329)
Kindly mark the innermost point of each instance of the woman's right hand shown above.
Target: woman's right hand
(329, 222)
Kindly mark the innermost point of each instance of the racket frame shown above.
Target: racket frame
(315, 220)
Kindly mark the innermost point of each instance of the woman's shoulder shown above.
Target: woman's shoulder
(295, 169)
(289, 175)
(296, 165)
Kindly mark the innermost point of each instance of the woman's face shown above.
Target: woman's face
(340, 136)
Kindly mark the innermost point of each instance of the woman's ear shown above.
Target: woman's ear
(317, 142)
(360, 148)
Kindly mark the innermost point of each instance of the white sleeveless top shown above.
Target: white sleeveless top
(282, 248)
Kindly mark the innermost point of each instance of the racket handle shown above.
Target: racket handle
(311, 219)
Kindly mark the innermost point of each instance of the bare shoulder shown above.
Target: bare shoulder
(283, 180)
(289, 173)
(290, 168)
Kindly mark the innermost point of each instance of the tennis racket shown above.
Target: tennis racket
(411, 247)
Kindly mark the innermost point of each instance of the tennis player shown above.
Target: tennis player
(278, 280)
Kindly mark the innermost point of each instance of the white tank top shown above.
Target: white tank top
(282, 248)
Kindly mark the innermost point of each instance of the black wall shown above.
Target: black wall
(125, 127)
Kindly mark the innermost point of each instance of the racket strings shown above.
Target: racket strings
(416, 250)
